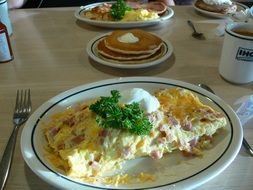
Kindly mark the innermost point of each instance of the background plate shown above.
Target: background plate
(119, 24)
(219, 15)
(173, 171)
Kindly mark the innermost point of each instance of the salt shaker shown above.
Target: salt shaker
(4, 16)
(5, 46)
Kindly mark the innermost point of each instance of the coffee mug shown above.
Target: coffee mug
(236, 63)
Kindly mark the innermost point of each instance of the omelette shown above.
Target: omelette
(79, 146)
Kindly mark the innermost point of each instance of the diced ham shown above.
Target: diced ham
(172, 120)
(153, 117)
(193, 142)
(77, 139)
(166, 132)
(95, 165)
(156, 154)
(187, 125)
(53, 131)
(61, 146)
(126, 151)
(162, 127)
(70, 121)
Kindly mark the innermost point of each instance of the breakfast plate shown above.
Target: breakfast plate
(119, 24)
(240, 7)
(173, 171)
(91, 49)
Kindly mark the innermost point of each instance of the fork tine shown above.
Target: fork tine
(17, 101)
(21, 100)
(25, 103)
(27, 100)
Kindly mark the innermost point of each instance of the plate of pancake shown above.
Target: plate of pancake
(129, 49)
(98, 14)
(218, 11)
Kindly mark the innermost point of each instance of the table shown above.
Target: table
(50, 57)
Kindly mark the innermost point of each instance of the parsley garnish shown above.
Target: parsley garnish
(129, 117)
(118, 9)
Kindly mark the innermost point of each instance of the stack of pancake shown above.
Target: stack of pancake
(216, 6)
(132, 46)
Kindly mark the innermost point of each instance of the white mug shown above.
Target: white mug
(236, 63)
(4, 16)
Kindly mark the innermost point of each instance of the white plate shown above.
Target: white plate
(119, 24)
(219, 15)
(173, 171)
(93, 53)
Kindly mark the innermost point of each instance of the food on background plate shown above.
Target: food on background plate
(126, 11)
(130, 46)
(217, 6)
(89, 140)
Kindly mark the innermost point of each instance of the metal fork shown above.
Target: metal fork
(22, 111)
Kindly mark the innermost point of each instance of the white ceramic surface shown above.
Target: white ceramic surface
(173, 171)
(236, 63)
(93, 53)
(120, 24)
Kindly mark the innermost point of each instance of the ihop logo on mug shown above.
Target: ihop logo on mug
(244, 54)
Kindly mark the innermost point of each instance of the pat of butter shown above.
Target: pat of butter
(128, 38)
(218, 2)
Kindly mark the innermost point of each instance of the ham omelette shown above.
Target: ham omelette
(88, 140)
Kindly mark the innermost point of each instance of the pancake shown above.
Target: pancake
(223, 8)
(152, 57)
(104, 51)
(146, 43)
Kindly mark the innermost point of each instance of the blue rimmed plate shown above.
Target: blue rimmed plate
(172, 171)
(92, 51)
(79, 14)
(240, 7)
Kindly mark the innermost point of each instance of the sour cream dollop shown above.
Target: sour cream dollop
(218, 2)
(128, 38)
(147, 102)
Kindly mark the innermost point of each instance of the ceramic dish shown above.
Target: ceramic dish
(219, 15)
(119, 24)
(93, 53)
(173, 171)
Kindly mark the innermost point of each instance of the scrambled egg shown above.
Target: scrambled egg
(140, 15)
(85, 151)
(103, 13)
